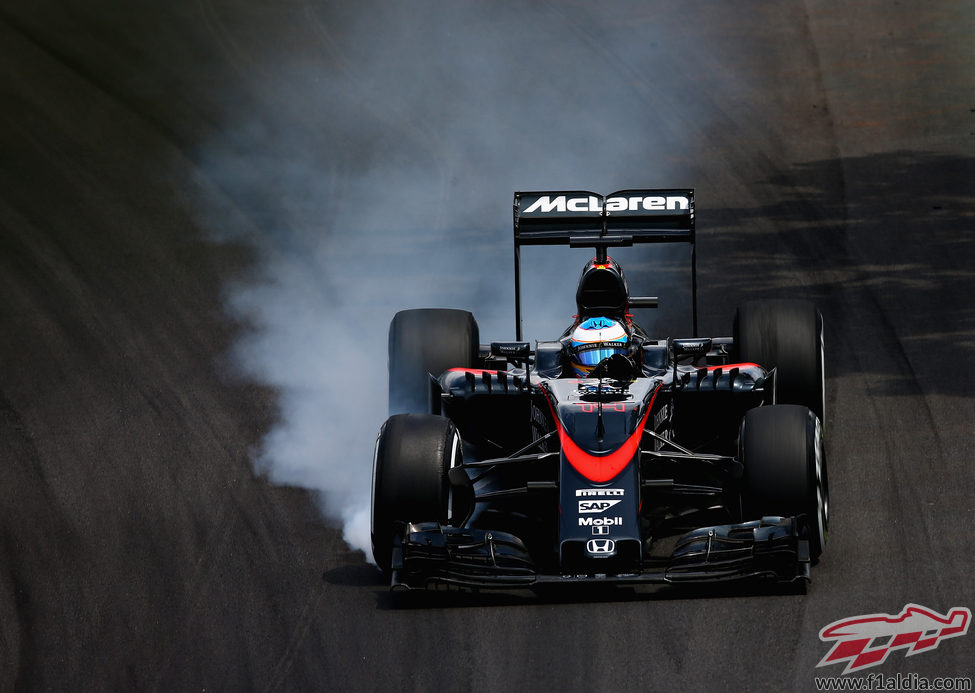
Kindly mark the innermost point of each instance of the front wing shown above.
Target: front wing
(429, 554)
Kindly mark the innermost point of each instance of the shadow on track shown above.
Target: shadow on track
(368, 576)
(835, 221)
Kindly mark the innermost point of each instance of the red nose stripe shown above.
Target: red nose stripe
(601, 468)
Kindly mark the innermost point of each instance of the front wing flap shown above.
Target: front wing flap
(429, 554)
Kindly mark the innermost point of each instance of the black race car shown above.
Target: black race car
(605, 455)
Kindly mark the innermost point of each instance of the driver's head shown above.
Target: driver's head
(593, 340)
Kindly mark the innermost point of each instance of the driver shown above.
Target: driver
(593, 340)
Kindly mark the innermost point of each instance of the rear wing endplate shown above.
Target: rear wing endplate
(583, 219)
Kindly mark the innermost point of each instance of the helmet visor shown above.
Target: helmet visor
(590, 357)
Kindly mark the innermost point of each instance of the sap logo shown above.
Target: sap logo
(650, 203)
(602, 547)
(600, 521)
(600, 492)
(865, 641)
(596, 506)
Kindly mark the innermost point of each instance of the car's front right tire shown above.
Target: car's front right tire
(413, 455)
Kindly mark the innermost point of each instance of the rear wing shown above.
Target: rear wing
(582, 219)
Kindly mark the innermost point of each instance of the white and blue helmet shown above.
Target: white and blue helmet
(593, 340)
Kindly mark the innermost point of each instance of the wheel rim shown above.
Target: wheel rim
(455, 459)
(822, 489)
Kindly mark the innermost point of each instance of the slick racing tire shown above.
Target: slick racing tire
(785, 469)
(414, 453)
(787, 335)
(425, 342)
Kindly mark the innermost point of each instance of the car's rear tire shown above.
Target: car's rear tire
(425, 342)
(785, 468)
(787, 335)
(414, 453)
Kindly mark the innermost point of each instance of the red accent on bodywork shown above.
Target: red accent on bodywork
(475, 371)
(601, 468)
(733, 365)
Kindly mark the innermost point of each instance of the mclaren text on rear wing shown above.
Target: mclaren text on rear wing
(582, 218)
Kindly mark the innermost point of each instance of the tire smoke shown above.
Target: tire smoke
(372, 162)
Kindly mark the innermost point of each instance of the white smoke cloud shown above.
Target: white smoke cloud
(376, 159)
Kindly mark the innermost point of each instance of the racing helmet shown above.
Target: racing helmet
(593, 340)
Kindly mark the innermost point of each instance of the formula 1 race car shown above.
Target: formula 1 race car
(605, 455)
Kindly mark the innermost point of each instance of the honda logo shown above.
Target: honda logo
(601, 546)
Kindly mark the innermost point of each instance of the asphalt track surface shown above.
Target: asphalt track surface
(832, 147)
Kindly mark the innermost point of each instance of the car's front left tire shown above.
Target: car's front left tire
(785, 469)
